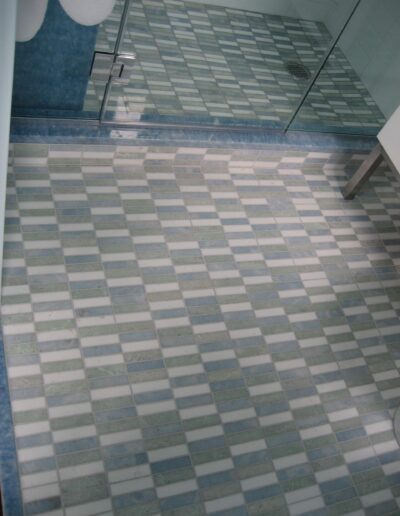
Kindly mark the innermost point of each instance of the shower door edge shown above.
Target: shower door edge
(120, 35)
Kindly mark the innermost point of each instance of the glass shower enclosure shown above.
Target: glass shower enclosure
(315, 65)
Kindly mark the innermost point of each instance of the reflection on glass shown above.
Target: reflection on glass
(359, 88)
(223, 61)
(220, 62)
(52, 67)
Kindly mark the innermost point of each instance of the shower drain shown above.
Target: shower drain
(298, 70)
(396, 424)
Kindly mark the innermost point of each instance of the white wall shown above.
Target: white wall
(8, 9)
(306, 9)
(331, 12)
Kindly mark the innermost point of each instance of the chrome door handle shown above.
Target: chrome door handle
(112, 67)
(122, 68)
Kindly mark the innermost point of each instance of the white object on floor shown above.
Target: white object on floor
(30, 17)
(88, 12)
(390, 140)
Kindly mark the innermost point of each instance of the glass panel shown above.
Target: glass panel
(232, 62)
(51, 75)
(359, 87)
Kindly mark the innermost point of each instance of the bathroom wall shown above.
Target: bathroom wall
(8, 16)
(317, 10)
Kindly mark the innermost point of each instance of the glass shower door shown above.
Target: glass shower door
(222, 62)
(359, 86)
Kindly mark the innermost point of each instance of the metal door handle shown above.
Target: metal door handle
(122, 67)
(113, 67)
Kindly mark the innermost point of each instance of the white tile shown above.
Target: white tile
(172, 323)
(376, 497)
(64, 376)
(209, 328)
(218, 355)
(154, 408)
(306, 506)
(204, 410)
(379, 427)
(265, 388)
(135, 434)
(331, 474)
(110, 392)
(341, 415)
(89, 509)
(191, 390)
(204, 433)
(38, 479)
(70, 410)
(275, 419)
(290, 460)
(131, 486)
(37, 493)
(129, 473)
(287, 365)
(252, 446)
(228, 502)
(238, 415)
(81, 470)
(28, 404)
(35, 452)
(177, 488)
(25, 430)
(58, 356)
(259, 481)
(74, 433)
(299, 495)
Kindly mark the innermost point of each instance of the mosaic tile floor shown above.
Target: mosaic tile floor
(196, 60)
(201, 331)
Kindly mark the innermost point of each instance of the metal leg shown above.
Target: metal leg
(365, 171)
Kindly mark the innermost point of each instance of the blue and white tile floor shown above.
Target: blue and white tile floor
(195, 331)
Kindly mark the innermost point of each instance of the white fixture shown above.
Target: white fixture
(30, 17)
(389, 139)
(88, 12)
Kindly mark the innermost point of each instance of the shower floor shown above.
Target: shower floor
(198, 62)
(195, 331)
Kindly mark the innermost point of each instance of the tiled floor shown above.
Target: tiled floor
(197, 60)
(201, 331)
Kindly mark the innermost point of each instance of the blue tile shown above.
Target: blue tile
(261, 493)
(336, 485)
(248, 459)
(170, 464)
(37, 466)
(347, 435)
(125, 461)
(76, 445)
(42, 506)
(174, 502)
(216, 478)
(132, 499)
